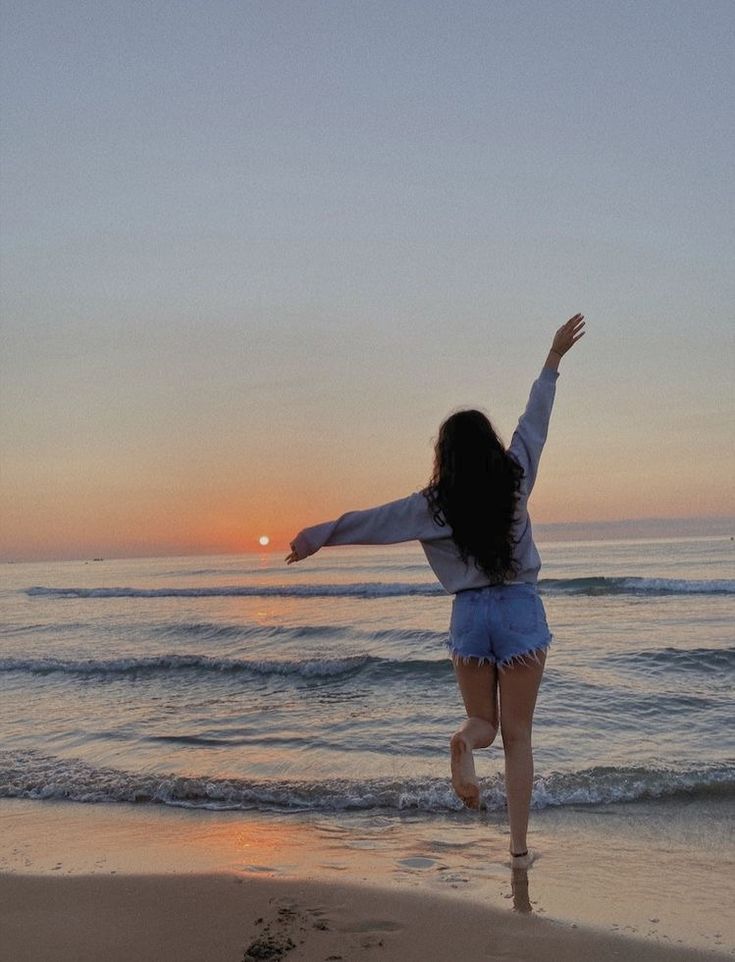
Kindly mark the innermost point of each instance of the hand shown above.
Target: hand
(290, 558)
(568, 335)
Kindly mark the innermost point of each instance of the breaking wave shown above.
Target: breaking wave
(29, 774)
(314, 668)
(381, 589)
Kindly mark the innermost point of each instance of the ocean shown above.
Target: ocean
(240, 683)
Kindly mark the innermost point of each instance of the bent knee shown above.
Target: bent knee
(487, 721)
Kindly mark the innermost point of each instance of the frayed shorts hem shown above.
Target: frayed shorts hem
(501, 625)
(521, 658)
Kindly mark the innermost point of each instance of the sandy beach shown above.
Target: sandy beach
(83, 882)
(226, 918)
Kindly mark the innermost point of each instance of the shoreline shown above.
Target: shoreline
(61, 861)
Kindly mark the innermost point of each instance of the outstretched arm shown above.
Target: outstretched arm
(407, 519)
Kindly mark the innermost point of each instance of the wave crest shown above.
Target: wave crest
(29, 774)
(381, 589)
(308, 668)
(636, 586)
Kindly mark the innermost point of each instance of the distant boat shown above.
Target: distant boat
(98, 559)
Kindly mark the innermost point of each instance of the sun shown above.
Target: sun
(264, 540)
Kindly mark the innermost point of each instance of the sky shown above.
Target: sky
(253, 253)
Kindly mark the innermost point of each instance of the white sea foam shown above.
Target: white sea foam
(29, 774)
(316, 667)
(379, 589)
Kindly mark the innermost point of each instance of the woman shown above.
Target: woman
(473, 524)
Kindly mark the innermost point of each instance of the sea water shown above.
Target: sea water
(237, 682)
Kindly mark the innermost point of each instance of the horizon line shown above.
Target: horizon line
(620, 526)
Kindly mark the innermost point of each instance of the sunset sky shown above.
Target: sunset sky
(254, 252)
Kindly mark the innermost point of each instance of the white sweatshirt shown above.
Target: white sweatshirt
(410, 519)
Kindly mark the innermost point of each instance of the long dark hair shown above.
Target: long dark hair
(475, 488)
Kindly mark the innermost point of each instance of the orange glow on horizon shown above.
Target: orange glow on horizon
(90, 517)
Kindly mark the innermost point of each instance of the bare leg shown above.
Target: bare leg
(478, 685)
(519, 686)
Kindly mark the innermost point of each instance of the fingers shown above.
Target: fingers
(570, 326)
(573, 328)
(568, 334)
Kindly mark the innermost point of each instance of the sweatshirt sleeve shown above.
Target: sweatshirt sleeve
(530, 435)
(407, 519)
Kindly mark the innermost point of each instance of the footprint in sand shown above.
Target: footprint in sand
(284, 932)
(417, 861)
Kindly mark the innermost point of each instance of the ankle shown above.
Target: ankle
(522, 859)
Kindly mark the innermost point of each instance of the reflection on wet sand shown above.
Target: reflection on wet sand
(519, 887)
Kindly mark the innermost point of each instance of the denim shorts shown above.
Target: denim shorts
(499, 624)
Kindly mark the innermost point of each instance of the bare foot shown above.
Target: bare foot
(464, 780)
(523, 861)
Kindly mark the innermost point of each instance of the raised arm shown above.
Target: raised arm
(529, 437)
